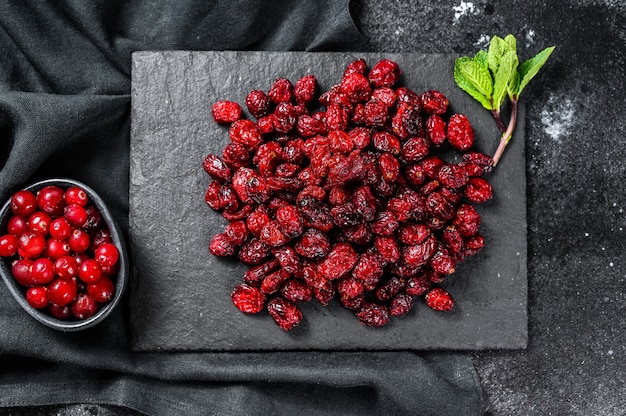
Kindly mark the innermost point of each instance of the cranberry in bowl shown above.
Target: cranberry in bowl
(62, 254)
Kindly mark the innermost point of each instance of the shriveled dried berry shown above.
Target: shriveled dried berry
(226, 112)
(258, 103)
(340, 260)
(216, 168)
(221, 246)
(478, 190)
(281, 91)
(460, 132)
(248, 299)
(285, 313)
(384, 73)
(314, 244)
(246, 133)
(439, 300)
(401, 305)
(434, 102)
(373, 315)
(296, 291)
(305, 88)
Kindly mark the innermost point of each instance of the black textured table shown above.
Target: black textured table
(574, 363)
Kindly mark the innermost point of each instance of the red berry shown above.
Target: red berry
(225, 111)
(478, 190)
(66, 267)
(17, 225)
(23, 203)
(8, 245)
(434, 102)
(384, 73)
(304, 89)
(84, 306)
(340, 260)
(20, 269)
(285, 313)
(216, 168)
(79, 241)
(221, 246)
(460, 132)
(62, 292)
(281, 91)
(39, 221)
(60, 228)
(102, 290)
(246, 133)
(60, 312)
(106, 254)
(37, 297)
(94, 218)
(258, 103)
(439, 300)
(75, 215)
(248, 299)
(31, 244)
(76, 195)
(50, 199)
(57, 248)
(296, 290)
(373, 315)
(89, 271)
(401, 305)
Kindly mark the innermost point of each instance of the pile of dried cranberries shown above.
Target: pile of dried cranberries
(354, 201)
(61, 250)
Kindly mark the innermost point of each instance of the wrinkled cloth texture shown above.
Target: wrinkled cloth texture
(65, 112)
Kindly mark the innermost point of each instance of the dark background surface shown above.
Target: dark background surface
(575, 146)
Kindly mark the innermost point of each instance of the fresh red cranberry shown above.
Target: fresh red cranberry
(31, 244)
(37, 297)
(50, 199)
(23, 203)
(20, 269)
(76, 195)
(42, 271)
(66, 267)
(94, 218)
(62, 292)
(56, 248)
(76, 215)
(17, 225)
(60, 228)
(60, 312)
(84, 306)
(39, 221)
(106, 254)
(89, 271)
(101, 291)
(8, 245)
(79, 241)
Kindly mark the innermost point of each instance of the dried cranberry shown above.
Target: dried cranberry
(460, 132)
(225, 112)
(439, 300)
(285, 313)
(373, 315)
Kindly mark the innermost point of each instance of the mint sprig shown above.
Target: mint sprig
(494, 75)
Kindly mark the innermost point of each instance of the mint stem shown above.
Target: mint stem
(508, 133)
(498, 117)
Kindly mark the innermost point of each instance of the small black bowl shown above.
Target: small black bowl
(120, 280)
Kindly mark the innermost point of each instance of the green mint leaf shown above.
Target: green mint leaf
(528, 69)
(481, 59)
(474, 79)
(513, 88)
(506, 72)
(499, 47)
(510, 42)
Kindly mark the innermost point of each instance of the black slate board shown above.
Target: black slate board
(180, 294)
